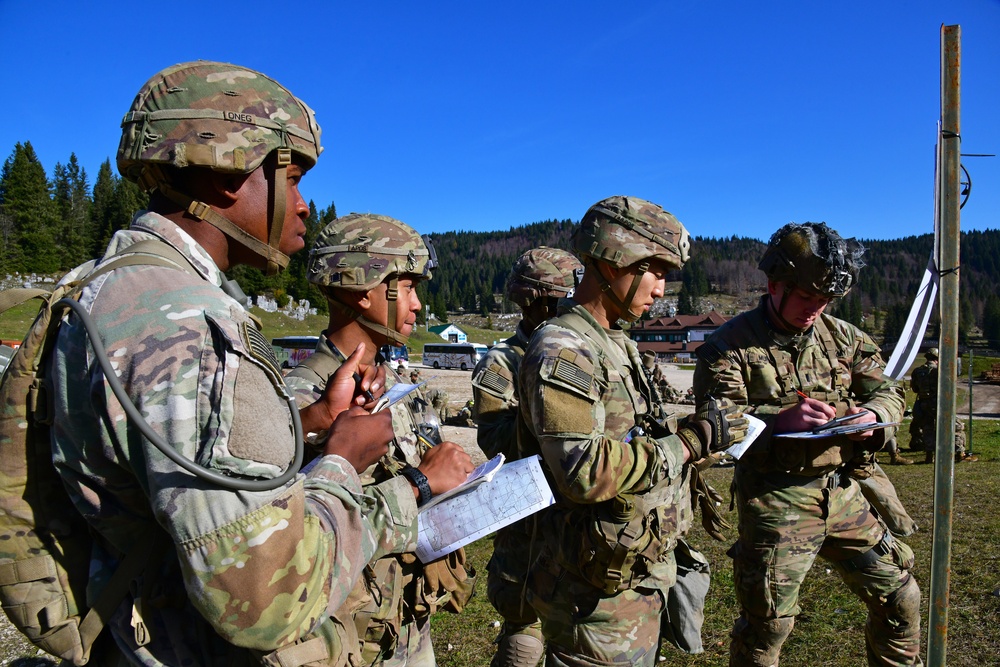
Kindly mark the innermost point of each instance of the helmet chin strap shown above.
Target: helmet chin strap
(394, 337)
(153, 179)
(624, 305)
(780, 309)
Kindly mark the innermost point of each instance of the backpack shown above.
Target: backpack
(45, 543)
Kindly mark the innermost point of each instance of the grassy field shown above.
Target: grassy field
(830, 629)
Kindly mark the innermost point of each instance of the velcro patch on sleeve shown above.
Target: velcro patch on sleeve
(571, 374)
(261, 351)
(565, 412)
(492, 381)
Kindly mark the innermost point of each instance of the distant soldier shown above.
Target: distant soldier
(538, 279)
(923, 427)
(650, 369)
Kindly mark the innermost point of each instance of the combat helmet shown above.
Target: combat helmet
(622, 231)
(360, 251)
(814, 257)
(226, 118)
(543, 272)
(931, 354)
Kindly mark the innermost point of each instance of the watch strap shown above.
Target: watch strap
(419, 480)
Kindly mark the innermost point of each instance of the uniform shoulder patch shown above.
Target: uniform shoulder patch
(711, 351)
(493, 381)
(572, 374)
(261, 351)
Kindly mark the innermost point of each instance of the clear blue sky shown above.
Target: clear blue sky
(736, 116)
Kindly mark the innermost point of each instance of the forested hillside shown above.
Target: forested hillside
(50, 223)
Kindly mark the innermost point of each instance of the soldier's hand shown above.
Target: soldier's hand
(343, 390)
(805, 415)
(717, 427)
(446, 466)
(360, 437)
(869, 416)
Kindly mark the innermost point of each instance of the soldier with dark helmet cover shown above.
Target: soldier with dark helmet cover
(602, 557)
(368, 267)
(799, 499)
(538, 279)
(250, 556)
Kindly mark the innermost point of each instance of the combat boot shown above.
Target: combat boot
(967, 458)
(897, 459)
(929, 457)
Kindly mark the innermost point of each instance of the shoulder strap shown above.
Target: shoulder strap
(830, 347)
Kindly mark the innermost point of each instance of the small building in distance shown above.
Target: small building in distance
(675, 339)
(450, 333)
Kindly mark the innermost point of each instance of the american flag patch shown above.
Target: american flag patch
(572, 375)
(492, 380)
(261, 350)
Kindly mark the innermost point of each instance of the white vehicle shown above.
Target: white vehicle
(453, 355)
(396, 355)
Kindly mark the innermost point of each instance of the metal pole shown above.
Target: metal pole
(937, 642)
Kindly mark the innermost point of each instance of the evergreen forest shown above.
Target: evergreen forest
(52, 222)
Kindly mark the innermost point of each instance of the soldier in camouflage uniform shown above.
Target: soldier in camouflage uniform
(798, 499)
(923, 426)
(602, 556)
(246, 574)
(368, 267)
(538, 279)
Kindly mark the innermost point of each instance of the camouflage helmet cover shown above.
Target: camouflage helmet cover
(932, 353)
(542, 272)
(813, 256)
(360, 250)
(624, 230)
(217, 115)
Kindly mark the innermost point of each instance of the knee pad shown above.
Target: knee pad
(520, 650)
(902, 607)
(757, 643)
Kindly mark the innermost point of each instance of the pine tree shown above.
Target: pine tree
(73, 203)
(29, 211)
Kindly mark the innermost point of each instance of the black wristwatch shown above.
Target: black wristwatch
(419, 480)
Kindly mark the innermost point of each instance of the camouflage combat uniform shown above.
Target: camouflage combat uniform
(494, 388)
(250, 571)
(795, 498)
(923, 427)
(391, 606)
(405, 602)
(603, 555)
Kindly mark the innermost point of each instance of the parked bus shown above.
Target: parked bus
(453, 355)
(292, 350)
(396, 355)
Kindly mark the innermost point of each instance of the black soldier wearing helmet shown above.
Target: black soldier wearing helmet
(538, 280)
(250, 556)
(795, 367)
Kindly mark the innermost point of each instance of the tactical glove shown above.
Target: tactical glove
(708, 500)
(717, 427)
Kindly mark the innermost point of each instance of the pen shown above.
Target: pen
(366, 392)
(801, 395)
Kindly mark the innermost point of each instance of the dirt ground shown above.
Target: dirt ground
(985, 400)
